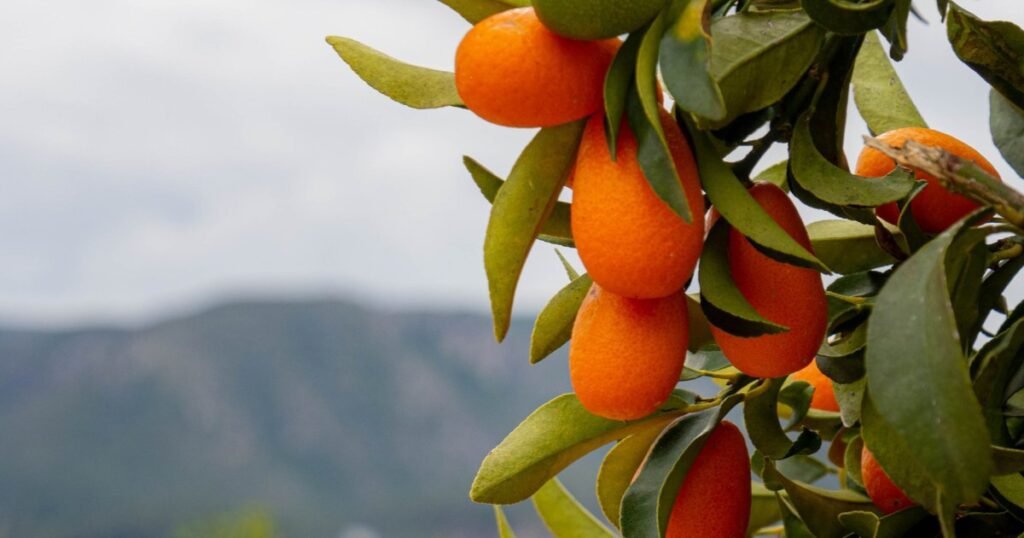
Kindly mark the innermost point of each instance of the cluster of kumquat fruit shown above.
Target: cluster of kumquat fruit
(548, 65)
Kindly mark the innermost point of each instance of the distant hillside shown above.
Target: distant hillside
(330, 414)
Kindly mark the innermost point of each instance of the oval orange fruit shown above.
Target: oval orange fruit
(714, 500)
(629, 239)
(782, 293)
(934, 208)
(824, 398)
(625, 355)
(511, 70)
(885, 494)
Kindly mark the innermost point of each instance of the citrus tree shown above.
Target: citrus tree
(877, 345)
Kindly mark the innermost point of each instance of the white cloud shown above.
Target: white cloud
(154, 153)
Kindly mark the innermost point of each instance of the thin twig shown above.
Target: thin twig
(957, 175)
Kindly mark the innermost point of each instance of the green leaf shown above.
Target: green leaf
(475, 11)
(570, 271)
(849, 396)
(556, 228)
(706, 359)
(966, 263)
(619, 466)
(802, 468)
(764, 507)
(648, 501)
(994, 364)
(643, 113)
(895, 29)
(686, 60)
(832, 184)
(723, 303)
(739, 208)
(851, 459)
(504, 529)
(617, 84)
(993, 49)
(552, 437)
(1006, 121)
(520, 208)
(417, 87)
(847, 247)
(1008, 491)
(882, 100)
(769, 51)
(761, 417)
(848, 18)
(553, 327)
(791, 522)
(700, 329)
(818, 508)
(1007, 460)
(775, 174)
(895, 525)
(913, 329)
(563, 515)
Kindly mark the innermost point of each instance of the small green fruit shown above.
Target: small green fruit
(596, 19)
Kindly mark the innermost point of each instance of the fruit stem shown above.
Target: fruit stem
(957, 175)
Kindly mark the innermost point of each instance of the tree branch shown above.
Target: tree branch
(957, 175)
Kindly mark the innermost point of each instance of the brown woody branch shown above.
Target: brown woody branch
(957, 175)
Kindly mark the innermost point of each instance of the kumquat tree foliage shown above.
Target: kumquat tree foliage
(876, 345)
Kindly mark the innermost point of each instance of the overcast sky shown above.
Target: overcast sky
(160, 154)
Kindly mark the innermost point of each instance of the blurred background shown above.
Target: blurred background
(240, 289)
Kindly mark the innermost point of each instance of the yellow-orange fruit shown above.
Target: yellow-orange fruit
(512, 71)
(631, 241)
(714, 500)
(782, 293)
(626, 355)
(824, 397)
(935, 208)
(886, 495)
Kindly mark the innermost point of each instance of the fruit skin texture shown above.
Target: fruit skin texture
(934, 208)
(625, 355)
(785, 294)
(630, 241)
(511, 70)
(595, 19)
(824, 398)
(714, 500)
(886, 495)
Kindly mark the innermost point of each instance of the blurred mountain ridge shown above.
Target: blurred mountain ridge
(331, 414)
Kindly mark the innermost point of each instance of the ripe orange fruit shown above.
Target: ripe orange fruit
(714, 500)
(824, 397)
(512, 71)
(782, 293)
(625, 355)
(886, 495)
(934, 208)
(630, 241)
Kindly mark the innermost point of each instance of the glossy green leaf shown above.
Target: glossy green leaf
(994, 365)
(761, 418)
(648, 501)
(475, 11)
(552, 437)
(818, 508)
(723, 303)
(619, 466)
(556, 228)
(797, 396)
(417, 87)
(504, 529)
(913, 329)
(685, 58)
(617, 84)
(827, 182)
(706, 359)
(520, 208)
(764, 507)
(1007, 460)
(848, 18)
(882, 100)
(966, 263)
(847, 247)
(895, 525)
(739, 208)
(993, 49)
(554, 323)
(564, 516)
(1006, 121)
(769, 51)
(802, 468)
